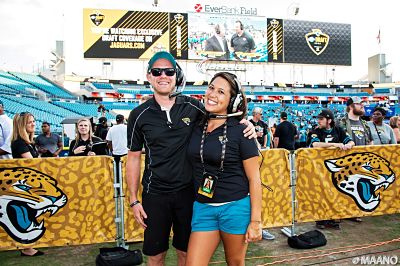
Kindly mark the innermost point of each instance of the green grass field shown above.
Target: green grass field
(371, 230)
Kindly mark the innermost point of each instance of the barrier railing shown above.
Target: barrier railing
(81, 200)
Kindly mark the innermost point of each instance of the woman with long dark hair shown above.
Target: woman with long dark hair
(226, 177)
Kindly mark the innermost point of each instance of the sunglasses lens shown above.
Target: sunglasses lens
(169, 72)
(156, 72)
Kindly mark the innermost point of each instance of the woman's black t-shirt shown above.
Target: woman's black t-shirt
(98, 151)
(19, 147)
(233, 183)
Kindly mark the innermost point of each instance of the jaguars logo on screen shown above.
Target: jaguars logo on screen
(362, 176)
(97, 18)
(317, 41)
(27, 194)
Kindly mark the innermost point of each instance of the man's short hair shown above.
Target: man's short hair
(102, 120)
(257, 110)
(119, 118)
(284, 115)
(45, 123)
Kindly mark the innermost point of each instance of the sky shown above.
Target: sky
(29, 29)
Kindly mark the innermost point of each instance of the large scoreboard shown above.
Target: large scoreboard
(122, 34)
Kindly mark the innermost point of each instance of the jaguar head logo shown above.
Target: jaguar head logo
(25, 195)
(361, 176)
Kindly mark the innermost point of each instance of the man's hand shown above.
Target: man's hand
(249, 131)
(139, 214)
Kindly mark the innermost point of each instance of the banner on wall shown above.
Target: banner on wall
(334, 184)
(56, 201)
(132, 34)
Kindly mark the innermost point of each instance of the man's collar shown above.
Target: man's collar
(156, 106)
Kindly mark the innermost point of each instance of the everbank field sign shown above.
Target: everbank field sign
(217, 9)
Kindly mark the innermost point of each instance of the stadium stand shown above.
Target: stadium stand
(83, 109)
(40, 83)
(101, 86)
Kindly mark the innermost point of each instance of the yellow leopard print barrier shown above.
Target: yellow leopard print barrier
(60, 201)
(335, 184)
(275, 173)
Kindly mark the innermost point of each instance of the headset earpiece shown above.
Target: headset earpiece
(236, 102)
(179, 75)
(241, 24)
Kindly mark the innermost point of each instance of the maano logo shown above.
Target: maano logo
(376, 260)
(97, 18)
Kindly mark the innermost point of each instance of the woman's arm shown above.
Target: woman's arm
(254, 229)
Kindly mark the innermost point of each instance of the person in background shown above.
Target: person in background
(242, 41)
(395, 125)
(381, 132)
(328, 135)
(117, 139)
(285, 134)
(84, 141)
(226, 177)
(22, 146)
(260, 126)
(218, 44)
(6, 129)
(356, 128)
(48, 144)
(101, 128)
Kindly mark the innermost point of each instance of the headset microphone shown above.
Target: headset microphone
(215, 116)
(179, 91)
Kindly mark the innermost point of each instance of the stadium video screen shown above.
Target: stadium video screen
(214, 36)
(310, 42)
(133, 34)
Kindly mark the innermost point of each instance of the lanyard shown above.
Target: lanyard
(377, 133)
(223, 146)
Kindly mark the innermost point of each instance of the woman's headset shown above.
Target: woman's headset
(236, 102)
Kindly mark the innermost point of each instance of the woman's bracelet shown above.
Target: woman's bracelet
(136, 202)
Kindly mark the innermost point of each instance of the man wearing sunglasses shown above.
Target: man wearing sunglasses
(163, 125)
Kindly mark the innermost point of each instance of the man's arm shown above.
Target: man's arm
(133, 181)
(60, 147)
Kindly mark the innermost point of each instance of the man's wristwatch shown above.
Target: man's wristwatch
(136, 202)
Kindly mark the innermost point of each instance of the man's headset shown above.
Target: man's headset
(180, 81)
(235, 103)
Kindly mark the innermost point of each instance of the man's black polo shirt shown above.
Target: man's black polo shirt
(165, 142)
